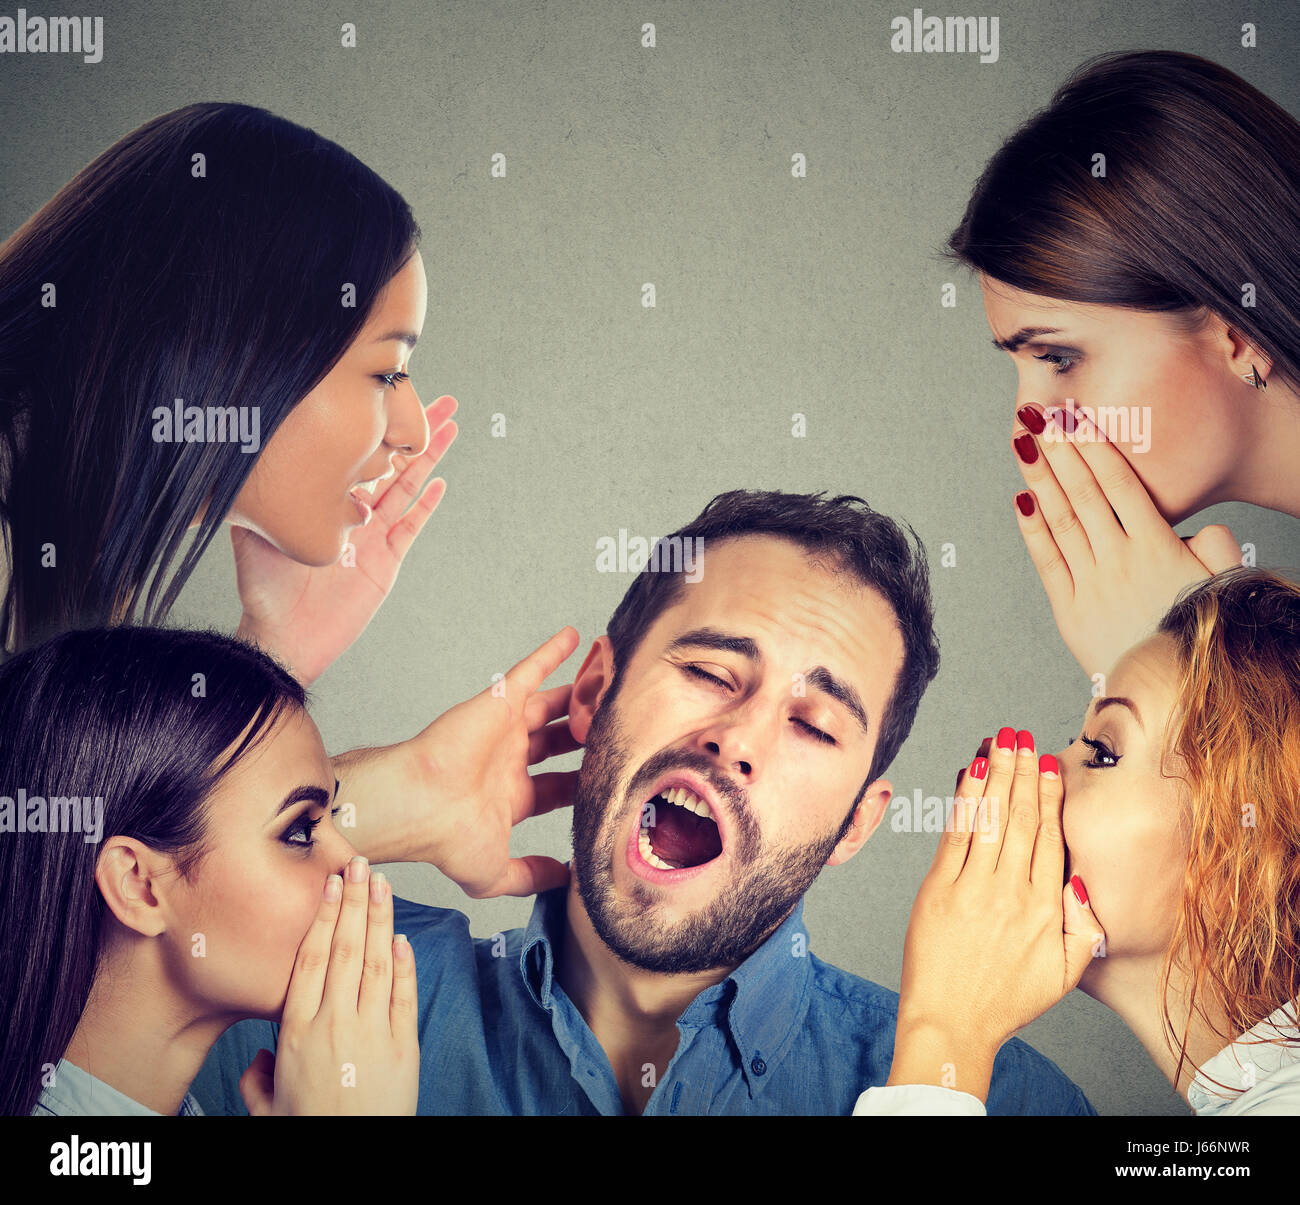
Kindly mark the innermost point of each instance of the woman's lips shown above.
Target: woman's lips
(361, 499)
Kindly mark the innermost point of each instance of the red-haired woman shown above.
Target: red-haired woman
(1174, 821)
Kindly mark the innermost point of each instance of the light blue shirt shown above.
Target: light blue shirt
(77, 1093)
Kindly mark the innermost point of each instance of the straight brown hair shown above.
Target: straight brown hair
(1156, 181)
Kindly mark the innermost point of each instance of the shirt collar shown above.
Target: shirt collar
(766, 996)
(544, 930)
(74, 1092)
(1237, 1067)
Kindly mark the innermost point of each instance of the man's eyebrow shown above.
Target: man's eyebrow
(313, 794)
(1123, 702)
(711, 638)
(838, 689)
(819, 678)
(410, 338)
(1023, 335)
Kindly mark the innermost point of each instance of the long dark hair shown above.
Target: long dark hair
(116, 714)
(1200, 197)
(205, 256)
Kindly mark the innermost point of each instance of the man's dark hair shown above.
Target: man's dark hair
(843, 533)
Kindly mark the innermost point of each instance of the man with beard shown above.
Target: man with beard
(736, 726)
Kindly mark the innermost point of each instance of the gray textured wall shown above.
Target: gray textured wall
(775, 295)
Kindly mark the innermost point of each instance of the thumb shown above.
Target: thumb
(1085, 939)
(1215, 548)
(257, 1084)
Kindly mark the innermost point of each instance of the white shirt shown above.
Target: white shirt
(1258, 1075)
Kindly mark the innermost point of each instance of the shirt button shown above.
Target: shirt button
(757, 1066)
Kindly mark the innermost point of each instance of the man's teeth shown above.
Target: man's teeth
(683, 798)
(650, 856)
(691, 802)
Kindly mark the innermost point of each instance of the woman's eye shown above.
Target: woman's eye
(299, 833)
(1060, 364)
(391, 379)
(1099, 750)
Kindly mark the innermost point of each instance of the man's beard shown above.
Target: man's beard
(726, 931)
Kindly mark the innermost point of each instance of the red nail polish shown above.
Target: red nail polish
(978, 768)
(1024, 740)
(1007, 738)
(1025, 501)
(1080, 892)
(1047, 765)
(1032, 419)
(1063, 419)
(1026, 448)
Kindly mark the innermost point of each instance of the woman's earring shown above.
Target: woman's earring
(1253, 378)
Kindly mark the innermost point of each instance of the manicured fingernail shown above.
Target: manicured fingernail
(1080, 892)
(378, 885)
(401, 947)
(1024, 740)
(1047, 765)
(333, 887)
(985, 744)
(357, 869)
(979, 768)
(1032, 419)
(1007, 738)
(1062, 419)
(1025, 501)
(1026, 448)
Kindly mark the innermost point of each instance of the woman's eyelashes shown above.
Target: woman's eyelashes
(816, 733)
(392, 379)
(1099, 750)
(1061, 362)
(299, 833)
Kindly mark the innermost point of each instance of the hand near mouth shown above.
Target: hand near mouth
(1110, 563)
(308, 616)
(993, 940)
(471, 783)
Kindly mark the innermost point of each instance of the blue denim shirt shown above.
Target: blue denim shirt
(784, 1033)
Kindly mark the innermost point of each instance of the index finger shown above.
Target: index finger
(954, 845)
(307, 982)
(543, 661)
(1048, 865)
(1118, 481)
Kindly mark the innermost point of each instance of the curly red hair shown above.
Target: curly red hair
(1237, 732)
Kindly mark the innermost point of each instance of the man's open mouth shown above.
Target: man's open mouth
(678, 830)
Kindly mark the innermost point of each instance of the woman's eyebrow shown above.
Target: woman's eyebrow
(1023, 335)
(314, 794)
(410, 338)
(1123, 702)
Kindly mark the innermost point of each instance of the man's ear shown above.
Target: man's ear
(866, 818)
(589, 687)
(130, 877)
